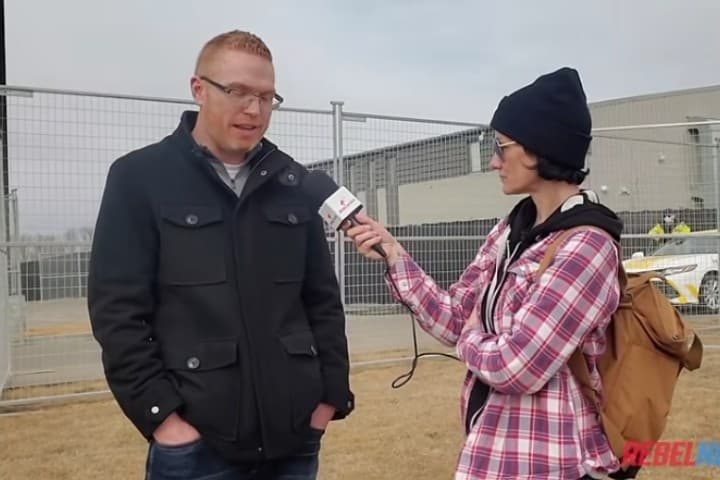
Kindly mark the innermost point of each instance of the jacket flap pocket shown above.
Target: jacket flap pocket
(204, 356)
(191, 216)
(299, 343)
(287, 214)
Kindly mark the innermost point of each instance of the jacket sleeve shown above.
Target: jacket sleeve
(121, 301)
(321, 298)
(440, 313)
(576, 294)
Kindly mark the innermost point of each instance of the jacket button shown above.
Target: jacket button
(193, 363)
(292, 218)
(263, 173)
(191, 219)
(291, 177)
(155, 410)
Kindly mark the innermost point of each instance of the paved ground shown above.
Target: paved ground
(59, 348)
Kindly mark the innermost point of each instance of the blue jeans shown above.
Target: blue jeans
(197, 461)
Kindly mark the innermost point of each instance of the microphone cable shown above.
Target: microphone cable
(403, 379)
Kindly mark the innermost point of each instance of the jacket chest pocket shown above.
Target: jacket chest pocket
(286, 241)
(193, 243)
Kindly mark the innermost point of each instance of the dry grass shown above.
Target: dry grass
(414, 429)
(694, 416)
(57, 393)
(410, 433)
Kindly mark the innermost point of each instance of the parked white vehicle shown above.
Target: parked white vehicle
(689, 266)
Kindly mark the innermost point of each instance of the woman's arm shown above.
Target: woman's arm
(571, 298)
(439, 312)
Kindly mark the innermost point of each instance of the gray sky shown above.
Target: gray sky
(451, 60)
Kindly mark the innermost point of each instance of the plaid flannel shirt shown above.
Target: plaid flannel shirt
(536, 423)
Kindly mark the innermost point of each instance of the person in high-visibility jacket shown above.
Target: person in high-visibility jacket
(668, 225)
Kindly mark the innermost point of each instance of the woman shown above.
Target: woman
(524, 413)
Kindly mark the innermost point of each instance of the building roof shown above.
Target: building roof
(651, 96)
(404, 146)
(327, 163)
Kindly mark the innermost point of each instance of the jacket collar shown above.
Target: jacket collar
(183, 137)
(266, 162)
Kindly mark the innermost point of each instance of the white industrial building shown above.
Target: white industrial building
(447, 178)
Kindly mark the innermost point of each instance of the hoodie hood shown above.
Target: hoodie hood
(582, 209)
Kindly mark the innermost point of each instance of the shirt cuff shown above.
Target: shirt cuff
(401, 276)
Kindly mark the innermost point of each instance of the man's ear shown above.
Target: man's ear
(197, 90)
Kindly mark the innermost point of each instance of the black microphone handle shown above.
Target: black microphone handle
(377, 247)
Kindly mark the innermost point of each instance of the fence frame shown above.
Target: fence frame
(339, 116)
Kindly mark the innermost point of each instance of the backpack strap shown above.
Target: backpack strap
(576, 363)
(578, 367)
(694, 356)
(555, 246)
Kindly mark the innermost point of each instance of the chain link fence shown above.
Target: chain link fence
(429, 181)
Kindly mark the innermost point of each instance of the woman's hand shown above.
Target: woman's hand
(368, 233)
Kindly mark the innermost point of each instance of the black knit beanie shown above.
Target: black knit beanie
(549, 117)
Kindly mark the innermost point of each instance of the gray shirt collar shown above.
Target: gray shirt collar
(238, 183)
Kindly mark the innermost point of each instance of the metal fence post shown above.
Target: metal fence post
(716, 180)
(79, 273)
(338, 170)
(5, 332)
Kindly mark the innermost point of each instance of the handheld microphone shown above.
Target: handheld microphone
(338, 205)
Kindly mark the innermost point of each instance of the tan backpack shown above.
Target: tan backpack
(648, 344)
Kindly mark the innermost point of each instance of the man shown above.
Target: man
(211, 289)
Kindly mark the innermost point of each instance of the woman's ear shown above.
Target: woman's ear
(529, 160)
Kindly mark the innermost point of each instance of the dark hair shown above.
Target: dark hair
(551, 171)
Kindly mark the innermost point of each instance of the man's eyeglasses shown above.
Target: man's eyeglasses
(243, 97)
(499, 147)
